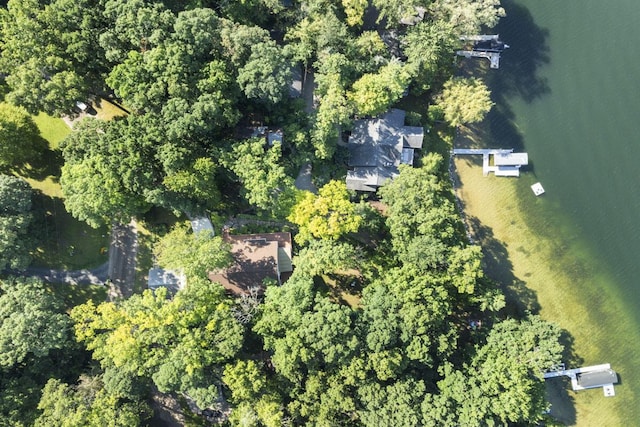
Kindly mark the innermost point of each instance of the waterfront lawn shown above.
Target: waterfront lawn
(544, 270)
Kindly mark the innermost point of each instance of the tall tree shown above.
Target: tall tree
(15, 217)
(60, 62)
(181, 344)
(327, 215)
(420, 203)
(18, 136)
(503, 383)
(465, 100)
(266, 75)
(195, 255)
(31, 322)
(374, 93)
(88, 404)
(264, 180)
(428, 46)
(467, 16)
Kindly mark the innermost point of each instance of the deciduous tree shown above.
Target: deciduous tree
(465, 100)
(265, 183)
(327, 215)
(373, 94)
(31, 322)
(180, 343)
(194, 254)
(18, 136)
(266, 75)
(467, 16)
(15, 217)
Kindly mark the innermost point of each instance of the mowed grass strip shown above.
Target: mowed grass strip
(64, 242)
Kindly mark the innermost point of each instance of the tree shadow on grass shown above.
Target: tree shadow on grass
(63, 242)
(519, 298)
(43, 163)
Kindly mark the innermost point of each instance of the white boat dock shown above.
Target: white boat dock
(505, 161)
(588, 377)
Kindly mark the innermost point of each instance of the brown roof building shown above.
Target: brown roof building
(256, 257)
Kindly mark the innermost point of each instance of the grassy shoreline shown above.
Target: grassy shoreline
(545, 268)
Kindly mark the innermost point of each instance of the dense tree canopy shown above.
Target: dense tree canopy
(18, 136)
(15, 218)
(193, 254)
(378, 323)
(465, 101)
(180, 343)
(31, 324)
(59, 61)
(327, 215)
(265, 182)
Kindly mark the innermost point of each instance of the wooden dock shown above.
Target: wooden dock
(493, 57)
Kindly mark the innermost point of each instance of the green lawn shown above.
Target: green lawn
(63, 241)
(52, 129)
(73, 295)
(107, 110)
(345, 286)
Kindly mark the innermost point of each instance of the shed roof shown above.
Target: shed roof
(159, 277)
(202, 223)
(597, 379)
(510, 159)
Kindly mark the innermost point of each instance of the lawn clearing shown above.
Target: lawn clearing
(73, 295)
(107, 110)
(345, 286)
(52, 129)
(63, 241)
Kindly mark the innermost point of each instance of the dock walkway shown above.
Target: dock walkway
(573, 375)
(486, 152)
(493, 57)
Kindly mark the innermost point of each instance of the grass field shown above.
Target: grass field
(52, 129)
(73, 295)
(64, 242)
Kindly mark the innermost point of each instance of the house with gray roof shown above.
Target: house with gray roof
(378, 146)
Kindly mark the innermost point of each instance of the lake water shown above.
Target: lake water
(568, 93)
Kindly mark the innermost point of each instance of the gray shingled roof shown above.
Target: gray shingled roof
(377, 147)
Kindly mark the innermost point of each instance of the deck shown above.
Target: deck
(499, 170)
(493, 57)
(574, 373)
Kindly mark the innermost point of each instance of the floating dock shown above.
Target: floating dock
(588, 377)
(537, 189)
